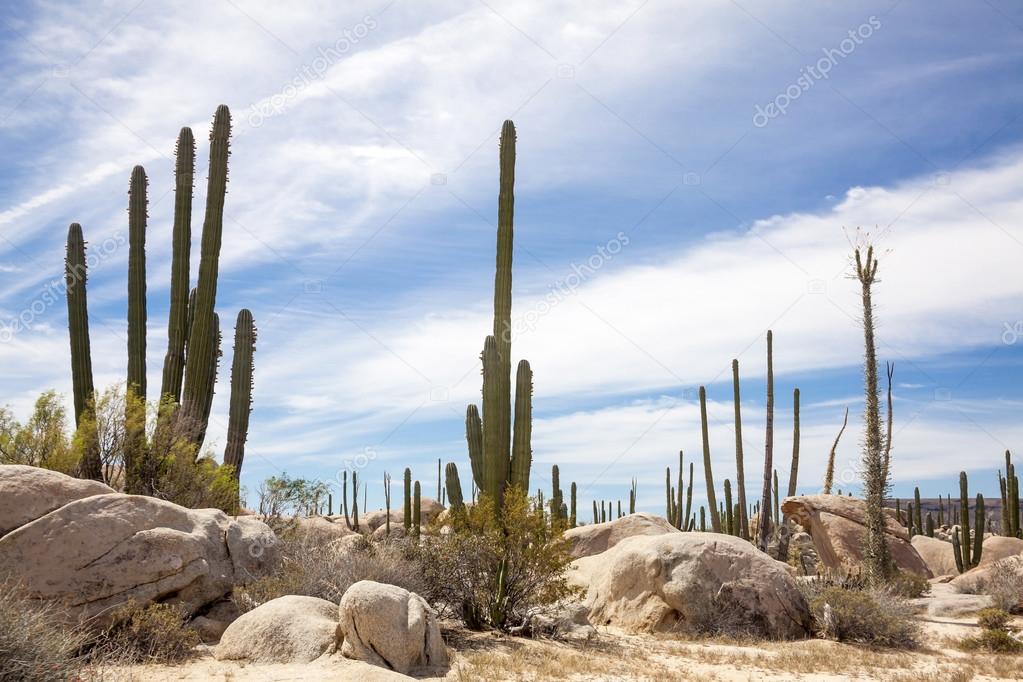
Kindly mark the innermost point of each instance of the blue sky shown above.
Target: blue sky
(362, 201)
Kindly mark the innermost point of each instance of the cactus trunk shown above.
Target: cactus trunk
(407, 510)
(453, 487)
(75, 276)
(241, 391)
(740, 474)
(522, 454)
(765, 502)
(715, 518)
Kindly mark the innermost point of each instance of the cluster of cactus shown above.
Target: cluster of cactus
(961, 541)
(679, 515)
(193, 331)
(1009, 487)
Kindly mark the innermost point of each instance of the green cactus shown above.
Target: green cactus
(344, 498)
(75, 276)
(715, 518)
(407, 510)
(596, 515)
(794, 472)
(777, 513)
(930, 525)
(556, 494)
(137, 214)
(387, 503)
(453, 487)
(962, 544)
(918, 523)
(198, 428)
(355, 501)
(522, 453)
(689, 499)
(474, 439)
(200, 364)
(703, 520)
(729, 518)
(241, 391)
(740, 475)
(177, 321)
(572, 516)
(632, 497)
(765, 521)
(417, 511)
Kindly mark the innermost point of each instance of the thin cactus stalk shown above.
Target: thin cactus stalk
(198, 428)
(930, 525)
(241, 391)
(619, 509)
(440, 494)
(572, 515)
(829, 475)
(330, 504)
(632, 497)
(777, 513)
(417, 511)
(596, 515)
(603, 512)
(703, 520)
(918, 523)
(474, 439)
(200, 365)
(689, 495)
(495, 461)
(678, 493)
(453, 487)
(715, 518)
(876, 552)
(387, 503)
(794, 471)
(355, 501)
(740, 474)
(765, 521)
(669, 512)
(344, 498)
(556, 497)
(503, 289)
(135, 389)
(181, 237)
(407, 510)
(75, 276)
(912, 520)
(729, 518)
(522, 453)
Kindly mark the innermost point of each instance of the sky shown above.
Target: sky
(689, 175)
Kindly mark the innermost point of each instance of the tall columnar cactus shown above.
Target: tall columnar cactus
(200, 364)
(177, 321)
(417, 511)
(794, 472)
(930, 525)
(75, 276)
(572, 515)
(387, 503)
(715, 518)
(355, 501)
(407, 510)
(1009, 487)
(765, 503)
(689, 501)
(740, 474)
(596, 515)
(918, 523)
(876, 553)
(241, 391)
(137, 215)
(197, 428)
(729, 518)
(497, 459)
(776, 508)
(344, 498)
(454, 487)
(632, 497)
(556, 494)
(961, 540)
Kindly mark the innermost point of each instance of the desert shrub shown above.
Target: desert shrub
(994, 641)
(909, 585)
(310, 568)
(34, 643)
(142, 634)
(877, 618)
(1005, 584)
(281, 499)
(494, 570)
(993, 619)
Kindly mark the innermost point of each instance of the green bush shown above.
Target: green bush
(993, 619)
(493, 570)
(909, 585)
(34, 645)
(994, 641)
(877, 618)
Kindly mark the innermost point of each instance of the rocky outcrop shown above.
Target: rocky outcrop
(937, 554)
(26, 493)
(599, 537)
(998, 547)
(660, 583)
(389, 626)
(289, 629)
(837, 525)
(97, 552)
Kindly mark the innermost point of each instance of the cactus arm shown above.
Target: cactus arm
(241, 391)
(794, 471)
(75, 276)
(137, 206)
(715, 518)
(453, 486)
(740, 474)
(503, 293)
(522, 453)
(765, 520)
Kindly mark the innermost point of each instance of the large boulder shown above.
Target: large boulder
(837, 525)
(96, 553)
(26, 493)
(998, 547)
(370, 522)
(659, 583)
(389, 626)
(937, 554)
(600, 537)
(289, 629)
(1008, 571)
(322, 529)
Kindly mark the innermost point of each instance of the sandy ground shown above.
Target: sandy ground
(616, 656)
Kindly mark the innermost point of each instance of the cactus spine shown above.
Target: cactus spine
(715, 518)
(241, 391)
(453, 487)
(200, 364)
(177, 321)
(75, 276)
(765, 520)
